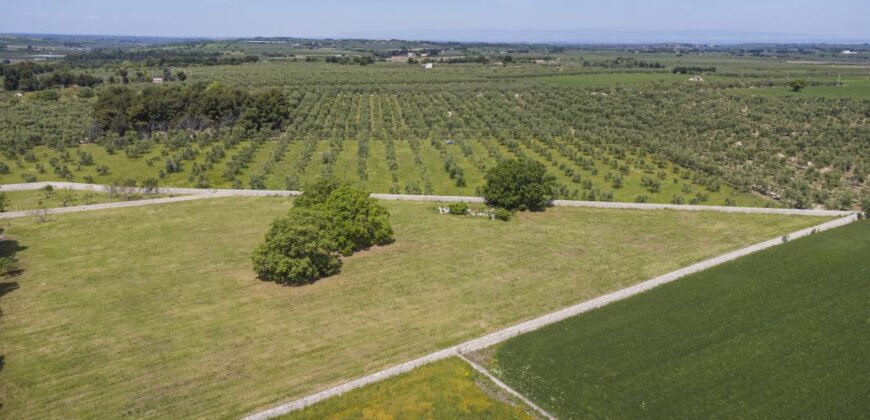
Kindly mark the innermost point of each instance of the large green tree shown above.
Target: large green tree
(329, 220)
(360, 222)
(519, 185)
(299, 248)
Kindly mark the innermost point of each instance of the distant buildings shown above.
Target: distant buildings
(157, 80)
(849, 52)
(428, 65)
(46, 57)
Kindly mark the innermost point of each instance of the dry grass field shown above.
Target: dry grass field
(155, 311)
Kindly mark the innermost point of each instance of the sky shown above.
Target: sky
(464, 20)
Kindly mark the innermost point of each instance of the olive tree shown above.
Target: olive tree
(797, 84)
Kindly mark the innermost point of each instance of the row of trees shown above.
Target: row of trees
(30, 77)
(358, 60)
(624, 63)
(159, 108)
(802, 151)
(693, 70)
(156, 58)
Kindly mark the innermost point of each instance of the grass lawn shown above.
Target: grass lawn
(448, 389)
(30, 200)
(154, 310)
(782, 333)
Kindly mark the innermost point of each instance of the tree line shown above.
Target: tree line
(31, 77)
(693, 70)
(624, 63)
(358, 60)
(197, 106)
(156, 58)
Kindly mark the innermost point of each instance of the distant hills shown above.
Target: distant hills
(589, 36)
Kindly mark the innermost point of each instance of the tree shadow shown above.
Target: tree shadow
(9, 248)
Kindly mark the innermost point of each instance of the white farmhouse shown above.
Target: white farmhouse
(157, 80)
(428, 65)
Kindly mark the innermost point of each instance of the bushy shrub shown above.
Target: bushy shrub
(360, 222)
(317, 192)
(502, 214)
(150, 184)
(518, 185)
(299, 248)
(330, 219)
(459, 209)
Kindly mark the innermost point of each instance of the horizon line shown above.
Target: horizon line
(809, 39)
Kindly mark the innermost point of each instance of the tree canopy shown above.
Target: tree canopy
(334, 219)
(519, 185)
(196, 106)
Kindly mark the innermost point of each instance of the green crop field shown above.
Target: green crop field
(778, 334)
(449, 389)
(155, 311)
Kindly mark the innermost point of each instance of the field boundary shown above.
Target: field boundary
(104, 206)
(507, 388)
(545, 320)
(422, 198)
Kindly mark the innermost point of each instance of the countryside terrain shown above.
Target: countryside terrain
(189, 331)
(158, 311)
(611, 126)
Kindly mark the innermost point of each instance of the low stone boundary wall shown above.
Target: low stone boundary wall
(103, 206)
(537, 323)
(507, 389)
(161, 190)
(431, 198)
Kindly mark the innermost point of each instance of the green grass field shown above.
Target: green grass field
(778, 334)
(449, 389)
(155, 311)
